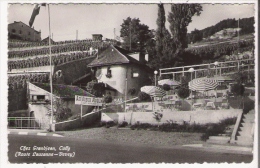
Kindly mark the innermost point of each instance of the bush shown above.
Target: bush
(108, 99)
(166, 87)
(144, 97)
(123, 124)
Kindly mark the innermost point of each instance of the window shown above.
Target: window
(135, 73)
(40, 97)
(29, 33)
(109, 73)
(13, 31)
(20, 31)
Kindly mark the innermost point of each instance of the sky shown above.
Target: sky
(88, 19)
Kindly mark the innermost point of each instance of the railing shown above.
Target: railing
(24, 123)
(220, 69)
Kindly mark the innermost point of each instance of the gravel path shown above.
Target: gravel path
(136, 136)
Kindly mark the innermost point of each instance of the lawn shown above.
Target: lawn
(136, 136)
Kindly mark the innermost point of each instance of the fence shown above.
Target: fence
(24, 123)
(217, 68)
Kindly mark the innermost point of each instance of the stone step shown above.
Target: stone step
(245, 138)
(224, 138)
(244, 134)
(249, 117)
(247, 124)
(248, 120)
(244, 143)
(214, 141)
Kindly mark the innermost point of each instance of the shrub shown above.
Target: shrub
(166, 87)
(144, 97)
(123, 124)
(132, 91)
(108, 99)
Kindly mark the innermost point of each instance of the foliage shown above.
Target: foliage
(238, 89)
(183, 92)
(123, 124)
(246, 25)
(95, 88)
(210, 129)
(108, 99)
(142, 96)
(61, 112)
(135, 33)
(166, 87)
(216, 51)
(132, 91)
(179, 18)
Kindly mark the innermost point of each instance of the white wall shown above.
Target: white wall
(202, 117)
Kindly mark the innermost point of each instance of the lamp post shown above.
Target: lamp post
(216, 64)
(191, 70)
(155, 74)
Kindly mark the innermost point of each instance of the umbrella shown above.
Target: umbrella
(203, 84)
(153, 91)
(169, 82)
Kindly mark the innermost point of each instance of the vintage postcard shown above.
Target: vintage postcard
(157, 82)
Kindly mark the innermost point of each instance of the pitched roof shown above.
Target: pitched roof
(15, 22)
(113, 56)
(63, 91)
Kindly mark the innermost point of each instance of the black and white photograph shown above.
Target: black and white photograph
(158, 82)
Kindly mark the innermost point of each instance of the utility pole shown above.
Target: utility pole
(76, 35)
(130, 35)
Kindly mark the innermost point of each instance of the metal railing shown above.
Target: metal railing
(24, 123)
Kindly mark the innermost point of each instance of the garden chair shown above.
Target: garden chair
(210, 106)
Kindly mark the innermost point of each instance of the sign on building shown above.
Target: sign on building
(89, 101)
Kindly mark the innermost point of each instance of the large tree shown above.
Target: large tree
(179, 18)
(164, 47)
(135, 34)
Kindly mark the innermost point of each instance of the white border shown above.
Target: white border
(3, 75)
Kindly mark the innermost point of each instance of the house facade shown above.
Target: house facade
(19, 30)
(120, 72)
(63, 95)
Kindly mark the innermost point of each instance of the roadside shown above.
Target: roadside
(160, 139)
(32, 132)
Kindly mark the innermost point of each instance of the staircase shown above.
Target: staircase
(244, 136)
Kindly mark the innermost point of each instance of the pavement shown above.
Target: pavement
(208, 147)
(32, 132)
(223, 148)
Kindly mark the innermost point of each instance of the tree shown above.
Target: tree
(142, 96)
(163, 49)
(238, 90)
(179, 19)
(135, 34)
(166, 87)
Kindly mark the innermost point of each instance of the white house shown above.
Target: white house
(120, 72)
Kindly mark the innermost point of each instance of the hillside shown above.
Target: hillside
(246, 25)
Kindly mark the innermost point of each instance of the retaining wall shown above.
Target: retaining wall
(202, 117)
(86, 120)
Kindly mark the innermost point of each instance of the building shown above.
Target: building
(46, 40)
(21, 31)
(120, 72)
(63, 97)
(97, 37)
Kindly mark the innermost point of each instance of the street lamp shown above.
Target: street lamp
(191, 70)
(155, 73)
(216, 64)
